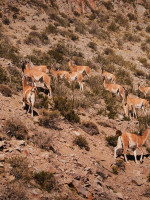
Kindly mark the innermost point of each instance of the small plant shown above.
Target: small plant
(148, 149)
(108, 5)
(115, 170)
(19, 167)
(132, 17)
(90, 128)
(49, 120)
(112, 140)
(113, 27)
(46, 180)
(143, 121)
(121, 20)
(6, 21)
(34, 27)
(81, 142)
(148, 177)
(92, 45)
(14, 190)
(56, 56)
(15, 127)
(5, 90)
(65, 107)
(51, 29)
(119, 166)
(3, 75)
(148, 29)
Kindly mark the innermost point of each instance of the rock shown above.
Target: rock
(140, 10)
(76, 133)
(119, 195)
(2, 157)
(2, 144)
(21, 143)
(79, 188)
(1, 165)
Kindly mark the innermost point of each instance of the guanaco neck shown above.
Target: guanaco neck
(145, 135)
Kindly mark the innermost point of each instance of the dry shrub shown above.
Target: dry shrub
(46, 180)
(119, 167)
(43, 140)
(81, 142)
(112, 140)
(90, 128)
(14, 191)
(3, 75)
(50, 120)
(15, 127)
(147, 190)
(65, 107)
(19, 168)
(5, 90)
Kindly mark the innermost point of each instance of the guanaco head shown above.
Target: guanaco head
(118, 133)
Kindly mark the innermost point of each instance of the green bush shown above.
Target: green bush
(46, 180)
(15, 127)
(112, 140)
(65, 107)
(81, 142)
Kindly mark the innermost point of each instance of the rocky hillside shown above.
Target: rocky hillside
(65, 152)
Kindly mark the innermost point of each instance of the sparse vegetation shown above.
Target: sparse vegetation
(148, 29)
(15, 127)
(113, 27)
(46, 180)
(50, 120)
(65, 106)
(90, 128)
(5, 90)
(112, 140)
(119, 166)
(19, 168)
(81, 142)
(3, 75)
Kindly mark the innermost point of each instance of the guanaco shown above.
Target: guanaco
(144, 90)
(132, 141)
(115, 88)
(37, 75)
(108, 76)
(29, 95)
(79, 68)
(134, 102)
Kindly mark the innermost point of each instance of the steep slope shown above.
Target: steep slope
(47, 160)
